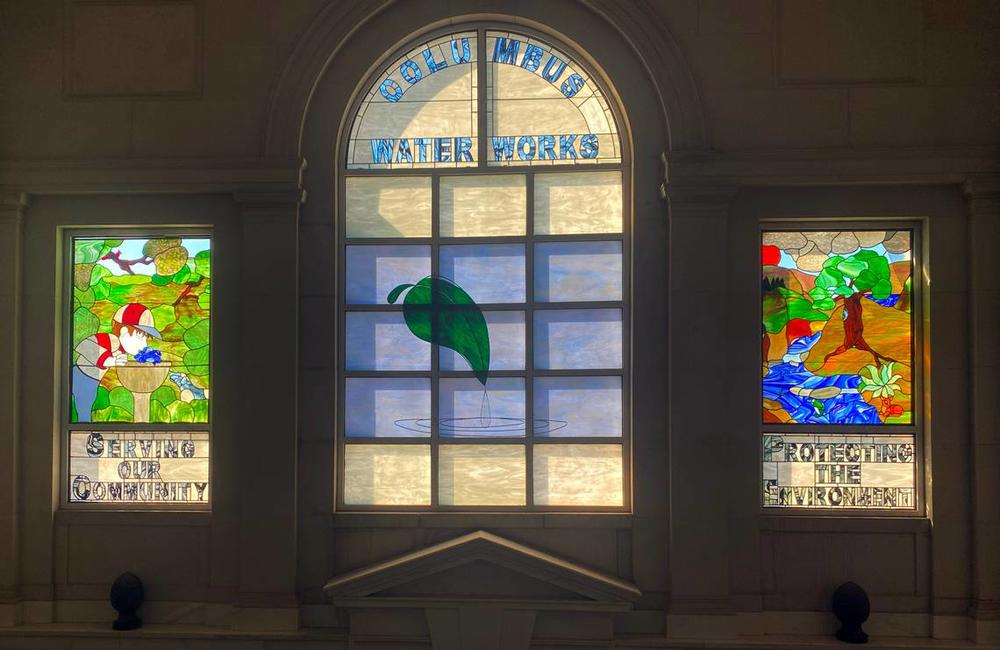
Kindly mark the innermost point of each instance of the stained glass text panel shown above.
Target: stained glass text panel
(139, 467)
(839, 471)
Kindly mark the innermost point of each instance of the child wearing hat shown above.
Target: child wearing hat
(131, 327)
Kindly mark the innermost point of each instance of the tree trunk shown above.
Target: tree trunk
(854, 332)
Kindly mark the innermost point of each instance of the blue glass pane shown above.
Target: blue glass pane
(506, 329)
(578, 271)
(578, 406)
(381, 341)
(487, 272)
(387, 408)
(374, 271)
(578, 338)
(467, 410)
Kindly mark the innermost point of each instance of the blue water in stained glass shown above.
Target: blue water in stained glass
(845, 408)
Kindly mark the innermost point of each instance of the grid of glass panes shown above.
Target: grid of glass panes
(542, 255)
(479, 247)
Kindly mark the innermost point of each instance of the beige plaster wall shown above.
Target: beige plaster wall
(152, 111)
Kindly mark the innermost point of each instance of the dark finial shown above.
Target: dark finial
(851, 606)
(126, 597)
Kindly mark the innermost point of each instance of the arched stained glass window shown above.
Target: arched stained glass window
(483, 282)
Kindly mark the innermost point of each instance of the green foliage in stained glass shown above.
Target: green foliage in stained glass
(439, 311)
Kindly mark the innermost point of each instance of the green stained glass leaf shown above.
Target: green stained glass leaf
(163, 315)
(817, 293)
(826, 303)
(98, 273)
(880, 267)
(87, 251)
(200, 409)
(182, 275)
(775, 312)
(112, 414)
(197, 335)
(852, 267)
(205, 300)
(101, 290)
(84, 298)
(462, 329)
(158, 412)
(122, 398)
(164, 395)
(865, 280)
(881, 290)
(102, 401)
(196, 361)
(830, 278)
(161, 280)
(203, 263)
(85, 324)
(832, 262)
(866, 256)
(180, 412)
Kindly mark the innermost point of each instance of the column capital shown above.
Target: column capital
(12, 205)
(270, 201)
(982, 186)
(693, 198)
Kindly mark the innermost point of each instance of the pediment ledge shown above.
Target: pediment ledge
(481, 547)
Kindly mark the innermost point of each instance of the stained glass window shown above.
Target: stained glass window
(839, 381)
(139, 389)
(483, 315)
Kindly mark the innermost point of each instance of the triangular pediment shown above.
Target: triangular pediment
(481, 565)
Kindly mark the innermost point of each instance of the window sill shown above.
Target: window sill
(841, 523)
(480, 520)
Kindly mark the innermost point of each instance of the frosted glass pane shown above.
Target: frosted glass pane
(381, 341)
(374, 271)
(389, 207)
(483, 206)
(147, 467)
(578, 475)
(578, 406)
(421, 110)
(576, 203)
(544, 107)
(387, 475)
(481, 475)
(506, 329)
(578, 271)
(833, 470)
(578, 338)
(469, 411)
(487, 272)
(387, 408)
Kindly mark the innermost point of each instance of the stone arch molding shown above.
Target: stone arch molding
(348, 40)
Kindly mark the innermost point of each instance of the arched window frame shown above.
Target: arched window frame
(483, 168)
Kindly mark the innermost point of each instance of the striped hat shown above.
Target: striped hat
(137, 316)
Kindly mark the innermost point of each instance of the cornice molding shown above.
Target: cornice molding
(805, 167)
(146, 175)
